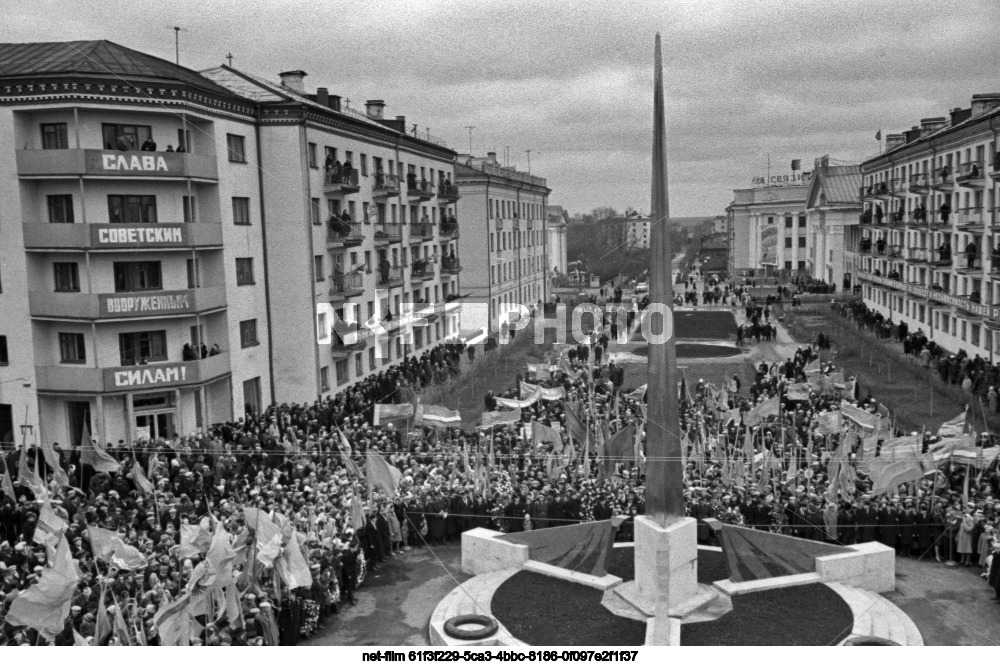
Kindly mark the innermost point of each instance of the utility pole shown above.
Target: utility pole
(470, 128)
(528, 152)
(177, 43)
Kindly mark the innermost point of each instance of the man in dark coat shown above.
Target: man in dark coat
(866, 520)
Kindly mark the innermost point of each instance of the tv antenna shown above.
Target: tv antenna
(177, 42)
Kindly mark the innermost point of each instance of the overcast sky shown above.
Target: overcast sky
(572, 81)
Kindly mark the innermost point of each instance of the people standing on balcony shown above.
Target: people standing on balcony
(149, 145)
(920, 212)
(897, 216)
(188, 353)
(411, 180)
(346, 171)
(866, 216)
(945, 211)
(425, 218)
(974, 171)
(866, 244)
(879, 214)
(944, 251)
(338, 274)
(126, 142)
(215, 350)
(880, 246)
(383, 269)
(333, 170)
(945, 172)
(970, 254)
(170, 148)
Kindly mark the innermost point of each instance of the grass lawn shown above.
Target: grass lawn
(714, 324)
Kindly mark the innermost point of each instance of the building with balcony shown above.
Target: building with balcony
(767, 227)
(361, 218)
(503, 213)
(832, 211)
(929, 223)
(130, 240)
(637, 230)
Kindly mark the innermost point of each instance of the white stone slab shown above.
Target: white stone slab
(484, 552)
(603, 583)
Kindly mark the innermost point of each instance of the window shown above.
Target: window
(802, 221)
(251, 395)
(3, 350)
(125, 137)
(364, 164)
(72, 348)
(330, 153)
(802, 265)
(341, 369)
(236, 146)
(241, 211)
(137, 276)
(131, 209)
(244, 272)
(318, 268)
(67, 276)
(371, 359)
(248, 333)
(193, 273)
(54, 136)
(60, 208)
(314, 210)
(788, 222)
(312, 156)
(802, 241)
(189, 205)
(359, 364)
(324, 378)
(788, 265)
(148, 345)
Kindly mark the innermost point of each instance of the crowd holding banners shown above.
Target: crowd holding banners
(256, 531)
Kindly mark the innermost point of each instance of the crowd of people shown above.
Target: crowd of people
(282, 495)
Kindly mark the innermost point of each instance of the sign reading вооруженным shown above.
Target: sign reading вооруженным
(108, 162)
(166, 302)
(146, 375)
(113, 236)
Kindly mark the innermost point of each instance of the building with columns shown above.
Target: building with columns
(832, 212)
(930, 225)
(767, 227)
(555, 242)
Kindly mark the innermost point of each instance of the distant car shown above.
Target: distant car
(642, 287)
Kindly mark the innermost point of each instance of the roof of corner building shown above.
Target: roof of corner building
(95, 58)
(841, 188)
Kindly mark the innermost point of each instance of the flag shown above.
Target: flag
(946, 447)
(102, 626)
(638, 394)
(813, 367)
(887, 476)
(50, 527)
(439, 416)
(292, 565)
(345, 445)
(352, 467)
(173, 622)
(109, 547)
(357, 513)
(45, 606)
(7, 485)
(763, 410)
(121, 629)
(494, 418)
(831, 422)
(52, 459)
(954, 427)
(385, 412)
(382, 475)
(26, 477)
(621, 447)
(140, 479)
(860, 417)
(577, 430)
(222, 555)
(195, 538)
(798, 392)
(543, 434)
(796, 164)
(878, 135)
(95, 455)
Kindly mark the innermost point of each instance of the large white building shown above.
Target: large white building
(503, 213)
(767, 227)
(119, 259)
(930, 224)
(832, 210)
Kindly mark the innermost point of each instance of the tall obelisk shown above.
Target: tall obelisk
(666, 542)
(664, 470)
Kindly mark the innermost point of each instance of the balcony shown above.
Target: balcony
(873, 190)
(895, 251)
(132, 378)
(450, 265)
(971, 174)
(995, 263)
(386, 185)
(342, 183)
(386, 234)
(389, 277)
(936, 220)
(340, 349)
(865, 246)
(102, 307)
(131, 237)
(896, 218)
(346, 286)
(995, 168)
(343, 234)
(135, 165)
(421, 270)
(919, 183)
(419, 190)
(449, 231)
(898, 188)
(421, 232)
(918, 255)
(940, 259)
(448, 193)
(943, 179)
(970, 220)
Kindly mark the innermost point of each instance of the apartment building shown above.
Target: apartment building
(929, 228)
(361, 216)
(130, 240)
(503, 213)
(177, 248)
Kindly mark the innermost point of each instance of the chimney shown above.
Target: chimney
(984, 103)
(335, 102)
(375, 108)
(293, 80)
(893, 141)
(323, 97)
(931, 125)
(960, 115)
(913, 134)
(491, 158)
